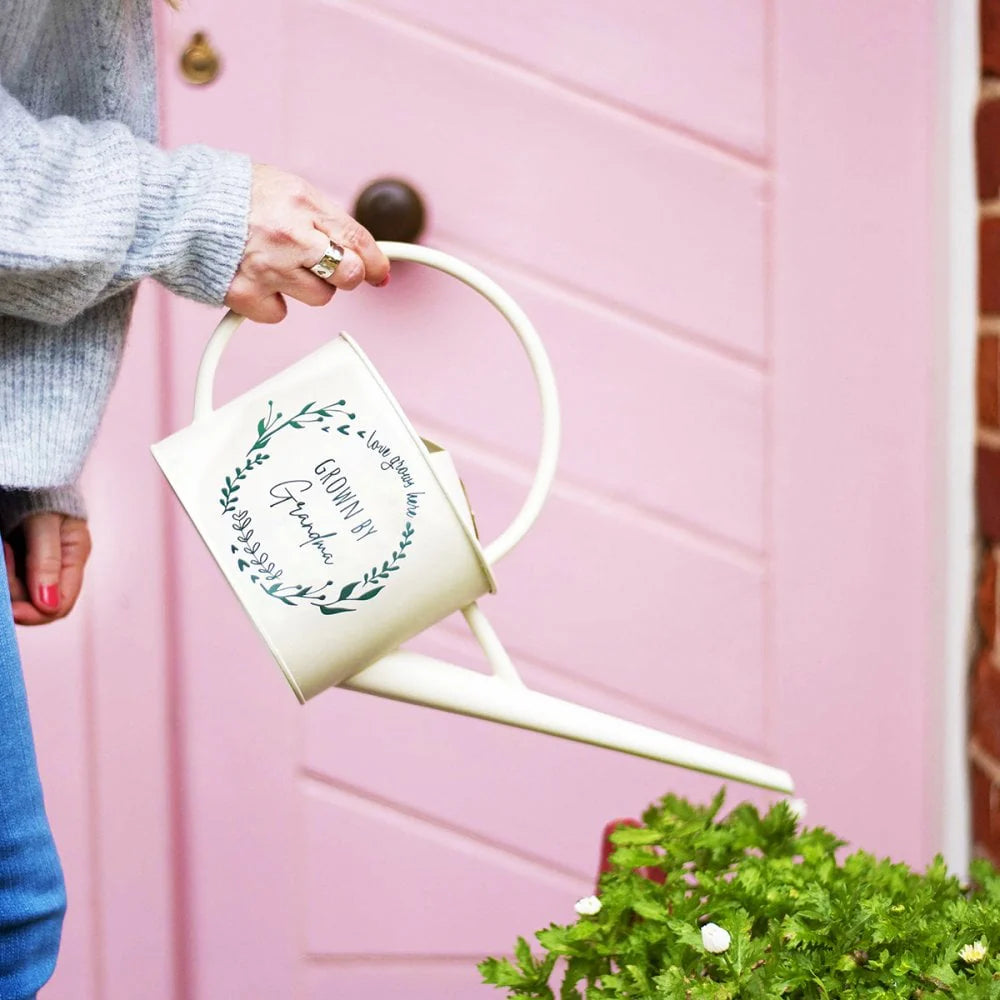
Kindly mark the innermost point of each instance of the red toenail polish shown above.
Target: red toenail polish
(48, 596)
(384, 281)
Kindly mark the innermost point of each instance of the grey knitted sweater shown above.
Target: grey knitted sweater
(88, 207)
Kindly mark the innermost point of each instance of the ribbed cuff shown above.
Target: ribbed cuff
(16, 505)
(195, 212)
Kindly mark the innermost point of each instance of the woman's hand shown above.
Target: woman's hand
(290, 229)
(46, 587)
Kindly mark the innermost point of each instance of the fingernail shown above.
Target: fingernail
(384, 281)
(48, 596)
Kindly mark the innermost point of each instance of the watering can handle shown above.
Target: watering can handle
(530, 341)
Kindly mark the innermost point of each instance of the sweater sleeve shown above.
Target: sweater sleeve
(16, 505)
(87, 209)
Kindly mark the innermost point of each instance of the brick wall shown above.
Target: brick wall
(984, 747)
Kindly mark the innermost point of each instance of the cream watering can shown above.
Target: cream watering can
(343, 534)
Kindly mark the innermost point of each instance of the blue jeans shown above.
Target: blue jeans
(32, 893)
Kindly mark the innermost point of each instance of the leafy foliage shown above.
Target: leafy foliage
(804, 925)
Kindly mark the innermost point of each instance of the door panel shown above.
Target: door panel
(603, 204)
(701, 66)
(523, 792)
(619, 380)
(412, 886)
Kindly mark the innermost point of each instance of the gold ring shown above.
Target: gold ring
(329, 262)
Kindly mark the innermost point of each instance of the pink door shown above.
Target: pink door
(737, 550)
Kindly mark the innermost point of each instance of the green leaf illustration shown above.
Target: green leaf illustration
(291, 594)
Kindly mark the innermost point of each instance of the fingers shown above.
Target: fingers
(75, 552)
(56, 552)
(43, 560)
(290, 229)
(260, 309)
(25, 613)
(364, 260)
(17, 590)
(348, 274)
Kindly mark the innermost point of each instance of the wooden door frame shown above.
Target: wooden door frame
(872, 361)
(958, 41)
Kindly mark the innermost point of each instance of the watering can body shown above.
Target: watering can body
(341, 532)
(344, 534)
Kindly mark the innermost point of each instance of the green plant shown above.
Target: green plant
(795, 920)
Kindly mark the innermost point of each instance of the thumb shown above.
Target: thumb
(43, 561)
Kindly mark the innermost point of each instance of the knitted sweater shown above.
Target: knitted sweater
(88, 207)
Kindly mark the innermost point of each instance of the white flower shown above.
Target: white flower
(588, 906)
(973, 953)
(715, 938)
(797, 807)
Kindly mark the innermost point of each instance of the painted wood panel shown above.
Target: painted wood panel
(855, 605)
(523, 792)
(456, 979)
(134, 796)
(698, 67)
(616, 207)
(619, 381)
(437, 891)
(239, 814)
(627, 605)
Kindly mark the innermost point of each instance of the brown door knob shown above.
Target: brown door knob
(390, 209)
(200, 62)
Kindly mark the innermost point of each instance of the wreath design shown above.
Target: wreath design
(263, 571)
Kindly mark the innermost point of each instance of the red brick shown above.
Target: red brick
(988, 150)
(988, 492)
(985, 698)
(986, 599)
(989, 26)
(989, 264)
(988, 382)
(985, 822)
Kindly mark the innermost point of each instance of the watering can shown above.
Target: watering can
(344, 534)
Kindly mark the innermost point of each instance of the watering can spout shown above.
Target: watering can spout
(423, 680)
